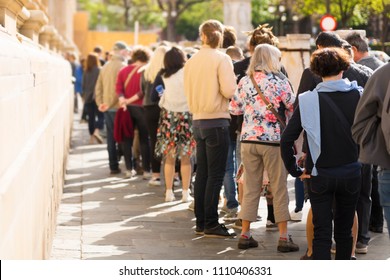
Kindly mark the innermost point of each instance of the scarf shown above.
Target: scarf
(309, 108)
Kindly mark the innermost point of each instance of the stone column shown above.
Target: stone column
(61, 13)
(344, 33)
(295, 56)
(46, 35)
(237, 13)
(21, 17)
(9, 10)
(33, 25)
(55, 42)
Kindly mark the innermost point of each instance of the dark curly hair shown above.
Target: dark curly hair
(329, 61)
(142, 54)
(262, 35)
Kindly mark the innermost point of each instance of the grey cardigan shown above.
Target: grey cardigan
(366, 129)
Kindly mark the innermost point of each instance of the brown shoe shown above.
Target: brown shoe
(115, 171)
(246, 243)
(288, 245)
(306, 257)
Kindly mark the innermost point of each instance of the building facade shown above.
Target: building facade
(36, 111)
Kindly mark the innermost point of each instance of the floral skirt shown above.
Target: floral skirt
(174, 134)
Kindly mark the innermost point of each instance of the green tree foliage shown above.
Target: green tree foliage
(121, 14)
(348, 13)
(189, 21)
(260, 13)
(183, 17)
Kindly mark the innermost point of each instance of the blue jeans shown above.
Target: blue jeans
(384, 193)
(109, 118)
(343, 193)
(299, 194)
(212, 145)
(229, 182)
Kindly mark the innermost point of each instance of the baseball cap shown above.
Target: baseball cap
(118, 46)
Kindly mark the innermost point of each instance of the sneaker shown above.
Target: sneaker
(237, 224)
(361, 248)
(156, 182)
(224, 210)
(169, 196)
(191, 207)
(246, 243)
(185, 196)
(378, 229)
(306, 257)
(258, 218)
(176, 182)
(199, 230)
(219, 231)
(288, 245)
(231, 215)
(333, 248)
(130, 173)
(139, 171)
(271, 226)
(147, 175)
(115, 171)
(296, 216)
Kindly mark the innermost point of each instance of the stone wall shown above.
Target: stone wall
(295, 56)
(36, 111)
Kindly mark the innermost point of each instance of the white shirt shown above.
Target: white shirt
(173, 98)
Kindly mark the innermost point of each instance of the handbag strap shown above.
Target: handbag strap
(343, 120)
(268, 104)
(131, 75)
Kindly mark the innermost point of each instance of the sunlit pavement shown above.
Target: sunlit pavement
(103, 217)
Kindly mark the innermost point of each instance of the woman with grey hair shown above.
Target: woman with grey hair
(263, 96)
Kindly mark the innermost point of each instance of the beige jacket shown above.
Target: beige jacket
(105, 85)
(209, 83)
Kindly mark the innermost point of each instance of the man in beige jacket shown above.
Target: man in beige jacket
(107, 100)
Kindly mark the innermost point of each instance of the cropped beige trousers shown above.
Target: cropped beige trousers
(256, 158)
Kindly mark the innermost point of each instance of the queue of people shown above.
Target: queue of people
(181, 105)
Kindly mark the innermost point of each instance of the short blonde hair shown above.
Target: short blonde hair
(266, 58)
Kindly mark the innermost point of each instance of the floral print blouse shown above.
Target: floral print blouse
(260, 124)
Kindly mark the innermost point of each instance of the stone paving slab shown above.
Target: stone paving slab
(105, 217)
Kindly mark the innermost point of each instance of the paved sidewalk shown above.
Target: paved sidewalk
(105, 217)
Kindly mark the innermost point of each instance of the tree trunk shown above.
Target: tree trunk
(126, 5)
(171, 28)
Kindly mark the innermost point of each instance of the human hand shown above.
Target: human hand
(122, 101)
(304, 175)
(103, 107)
